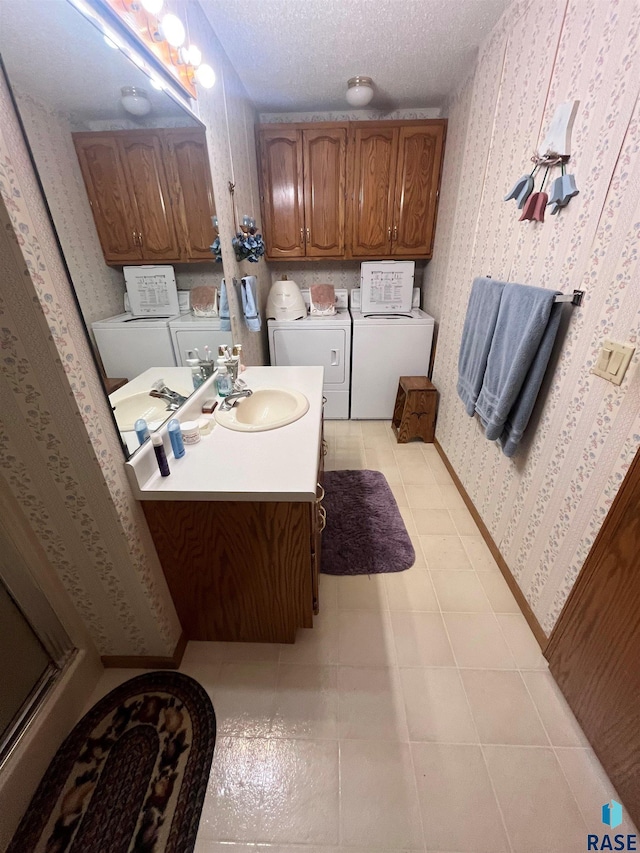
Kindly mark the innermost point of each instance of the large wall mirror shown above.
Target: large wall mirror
(126, 175)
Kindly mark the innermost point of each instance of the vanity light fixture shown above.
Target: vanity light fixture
(135, 101)
(359, 91)
(205, 76)
(172, 29)
(194, 55)
(153, 7)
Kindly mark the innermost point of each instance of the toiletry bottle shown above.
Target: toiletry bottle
(161, 456)
(224, 383)
(142, 430)
(175, 435)
(197, 376)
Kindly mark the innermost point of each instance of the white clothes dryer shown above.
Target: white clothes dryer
(323, 341)
(386, 347)
(189, 332)
(130, 345)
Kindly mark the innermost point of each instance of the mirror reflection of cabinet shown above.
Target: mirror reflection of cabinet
(303, 175)
(150, 193)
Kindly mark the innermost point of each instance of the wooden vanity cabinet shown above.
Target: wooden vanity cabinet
(302, 190)
(241, 571)
(150, 193)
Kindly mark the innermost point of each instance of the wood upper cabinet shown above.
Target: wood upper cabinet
(187, 148)
(113, 210)
(303, 181)
(150, 192)
(282, 193)
(416, 189)
(325, 171)
(350, 190)
(395, 181)
(373, 161)
(149, 189)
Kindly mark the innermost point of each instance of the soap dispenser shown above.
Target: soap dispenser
(224, 382)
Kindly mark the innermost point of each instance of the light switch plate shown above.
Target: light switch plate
(613, 360)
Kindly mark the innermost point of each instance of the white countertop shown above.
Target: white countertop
(273, 465)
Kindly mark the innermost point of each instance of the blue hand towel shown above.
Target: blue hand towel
(520, 413)
(249, 304)
(225, 322)
(523, 318)
(482, 313)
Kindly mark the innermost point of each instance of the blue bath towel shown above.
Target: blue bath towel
(249, 303)
(514, 366)
(225, 322)
(482, 313)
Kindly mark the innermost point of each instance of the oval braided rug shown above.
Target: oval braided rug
(132, 775)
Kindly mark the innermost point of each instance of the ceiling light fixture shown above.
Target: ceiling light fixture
(135, 101)
(359, 91)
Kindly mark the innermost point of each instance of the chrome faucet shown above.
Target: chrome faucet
(160, 390)
(230, 401)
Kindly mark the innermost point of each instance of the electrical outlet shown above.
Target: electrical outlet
(613, 361)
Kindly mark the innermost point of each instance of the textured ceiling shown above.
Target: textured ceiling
(65, 63)
(298, 54)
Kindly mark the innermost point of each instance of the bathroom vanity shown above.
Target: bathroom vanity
(237, 524)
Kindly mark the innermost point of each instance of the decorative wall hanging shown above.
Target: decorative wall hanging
(247, 243)
(554, 151)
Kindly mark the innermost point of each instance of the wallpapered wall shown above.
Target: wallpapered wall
(59, 451)
(351, 115)
(545, 506)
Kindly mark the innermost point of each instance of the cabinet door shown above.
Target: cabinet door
(147, 181)
(325, 166)
(282, 193)
(186, 150)
(373, 175)
(113, 210)
(416, 192)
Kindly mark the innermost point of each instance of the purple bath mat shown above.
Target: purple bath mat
(365, 533)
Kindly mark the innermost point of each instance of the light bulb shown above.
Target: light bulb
(359, 91)
(153, 7)
(206, 76)
(156, 84)
(194, 55)
(173, 30)
(135, 101)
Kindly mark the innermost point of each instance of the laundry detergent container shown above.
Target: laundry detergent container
(285, 301)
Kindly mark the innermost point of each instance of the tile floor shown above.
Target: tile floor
(418, 713)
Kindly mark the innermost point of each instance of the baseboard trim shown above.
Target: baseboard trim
(523, 604)
(147, 661)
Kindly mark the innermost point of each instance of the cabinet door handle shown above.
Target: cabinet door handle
(139, 238)
(308, 235)
(302, 236)
(324, 401)
(325, 447)
(321, 498)
(323, 519)
(395, 233)
(389, 232)
(135, 237)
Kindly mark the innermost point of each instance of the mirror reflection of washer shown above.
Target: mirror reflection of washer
(323, 341)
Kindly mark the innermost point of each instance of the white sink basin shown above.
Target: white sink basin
(266, 408)
(141, 405)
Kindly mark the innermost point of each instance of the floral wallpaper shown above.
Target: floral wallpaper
(545, 506)
(59, 451)
(343, 274)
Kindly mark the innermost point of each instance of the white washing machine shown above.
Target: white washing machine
(190, 332)
(318, 341)
(386, 347)
(130, 345)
